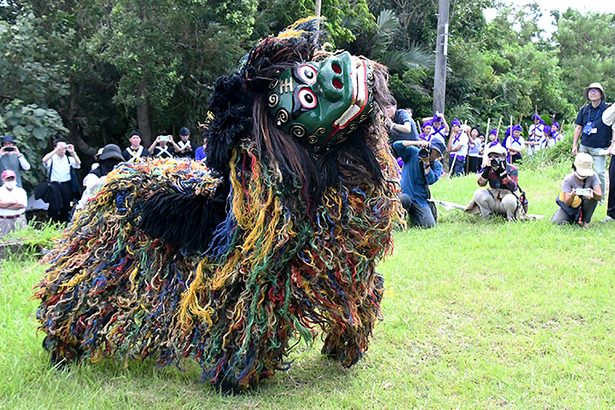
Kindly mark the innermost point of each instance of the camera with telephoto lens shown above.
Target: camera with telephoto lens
(497, 163)
(424, 152)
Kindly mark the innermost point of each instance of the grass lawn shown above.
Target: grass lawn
(477, 314)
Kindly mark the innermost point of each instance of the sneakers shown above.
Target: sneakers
(608, 219)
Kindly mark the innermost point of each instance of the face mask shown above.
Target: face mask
(10, 184)
(322, 101)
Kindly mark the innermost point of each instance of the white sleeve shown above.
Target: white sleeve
(23, 197)
(23, 162)
(73, 164)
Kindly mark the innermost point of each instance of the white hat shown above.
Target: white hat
(594, 85)
(496, 149)
(584, 164)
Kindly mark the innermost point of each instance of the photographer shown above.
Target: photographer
(422, 167)
(12, 159)
(502, 195)
(163, 147)
(59, 163)
(580, 193)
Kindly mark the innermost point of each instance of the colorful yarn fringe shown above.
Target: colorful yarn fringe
(269, 275)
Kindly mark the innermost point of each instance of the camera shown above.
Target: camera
(423, 152)
(7, 149)
(165, 138)
(497, 163)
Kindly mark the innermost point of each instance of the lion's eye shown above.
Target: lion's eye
(307, 74)
(307, 98)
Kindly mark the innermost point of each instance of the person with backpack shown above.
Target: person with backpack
(61, 164)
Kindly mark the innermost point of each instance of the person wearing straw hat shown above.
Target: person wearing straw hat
(594, 133)
(502, 195)
(580, 193)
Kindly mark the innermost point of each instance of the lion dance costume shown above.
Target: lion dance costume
(232, 263)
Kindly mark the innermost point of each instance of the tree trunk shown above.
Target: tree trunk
(143, 117)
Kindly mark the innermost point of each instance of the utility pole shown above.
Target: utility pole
(439, 82)
(317, 12)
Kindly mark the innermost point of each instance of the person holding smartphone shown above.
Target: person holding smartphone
(58, 164)
(580, 193)
(12, 159)
(163, 147)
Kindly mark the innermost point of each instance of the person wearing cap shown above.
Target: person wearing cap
(185, 147)
(515, 143)
(580, 193)
(608, 118)
(11, 158)
(458, 148)
(110, 156)
(547, 140)
(135, 152)
(535, 133)
(595, 135)
(440, 129)
(556, 133)
(422, 167)
(13, 201)
(502, 195)
(399, 123)
(426, 129)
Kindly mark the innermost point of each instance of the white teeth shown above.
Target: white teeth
(359, 97)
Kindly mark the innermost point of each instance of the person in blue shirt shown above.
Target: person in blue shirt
(595, 135)
(422, 167)
(400, 123)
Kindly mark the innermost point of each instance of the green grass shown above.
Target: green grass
(477, 314)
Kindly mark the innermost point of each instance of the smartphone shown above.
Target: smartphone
(7, 149)
(582, 191)
(165, 138)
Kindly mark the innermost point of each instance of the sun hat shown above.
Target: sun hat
(438, 146)
(594, 85)
(111, 151)
(583, 164)
(496, 149)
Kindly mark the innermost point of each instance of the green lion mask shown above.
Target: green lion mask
(323, 101)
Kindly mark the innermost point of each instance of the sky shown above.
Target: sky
(598, 6)
(601, 6)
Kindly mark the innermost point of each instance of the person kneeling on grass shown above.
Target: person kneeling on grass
(580, 193)
(502, 195)
(422, 167)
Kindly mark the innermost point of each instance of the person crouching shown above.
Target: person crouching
(580, 193)
(422, 167)
(502, 195)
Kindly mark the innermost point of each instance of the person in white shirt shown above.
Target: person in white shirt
(515, 144)
(58, 164)
(13, 201)
(547, 140)
(475, 150)
(535, 133)
(458, 148)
